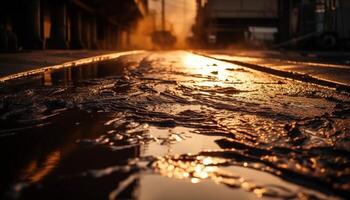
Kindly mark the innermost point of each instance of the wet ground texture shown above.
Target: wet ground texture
(172, 125)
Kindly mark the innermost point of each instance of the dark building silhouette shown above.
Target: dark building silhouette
(222, 22)
(304, 23)
(320, 23)
(68, 24)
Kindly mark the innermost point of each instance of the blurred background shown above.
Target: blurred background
(179, 24)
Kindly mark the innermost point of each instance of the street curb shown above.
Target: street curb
(74, 63)
(286, 74)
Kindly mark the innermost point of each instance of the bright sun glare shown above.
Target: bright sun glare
(206, 66)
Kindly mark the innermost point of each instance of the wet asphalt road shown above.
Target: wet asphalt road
(172, 125)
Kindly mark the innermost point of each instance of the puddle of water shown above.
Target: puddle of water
(178, 141)
(180, 189)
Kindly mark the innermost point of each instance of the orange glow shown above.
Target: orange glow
(37, 171)
(47, 78)
(180, 16)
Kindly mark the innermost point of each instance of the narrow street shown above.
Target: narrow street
(175, 125)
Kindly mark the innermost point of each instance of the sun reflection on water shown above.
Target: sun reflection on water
(208, 72)
(36, 171)
(206, 66)
(199, 168)
(196, 169)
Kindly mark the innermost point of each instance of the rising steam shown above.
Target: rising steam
(180, 15)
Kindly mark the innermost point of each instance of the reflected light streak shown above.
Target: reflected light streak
(37, 171)
(237, 58)
(47, 78)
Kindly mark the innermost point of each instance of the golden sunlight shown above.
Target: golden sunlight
(206, 66)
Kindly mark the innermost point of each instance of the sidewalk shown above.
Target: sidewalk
(330, 66)
(12, 63)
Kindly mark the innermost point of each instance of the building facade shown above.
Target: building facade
(325, 23)
(227, 21)
(68, 24)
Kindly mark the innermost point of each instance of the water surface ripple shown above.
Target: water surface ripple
(171, 125)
